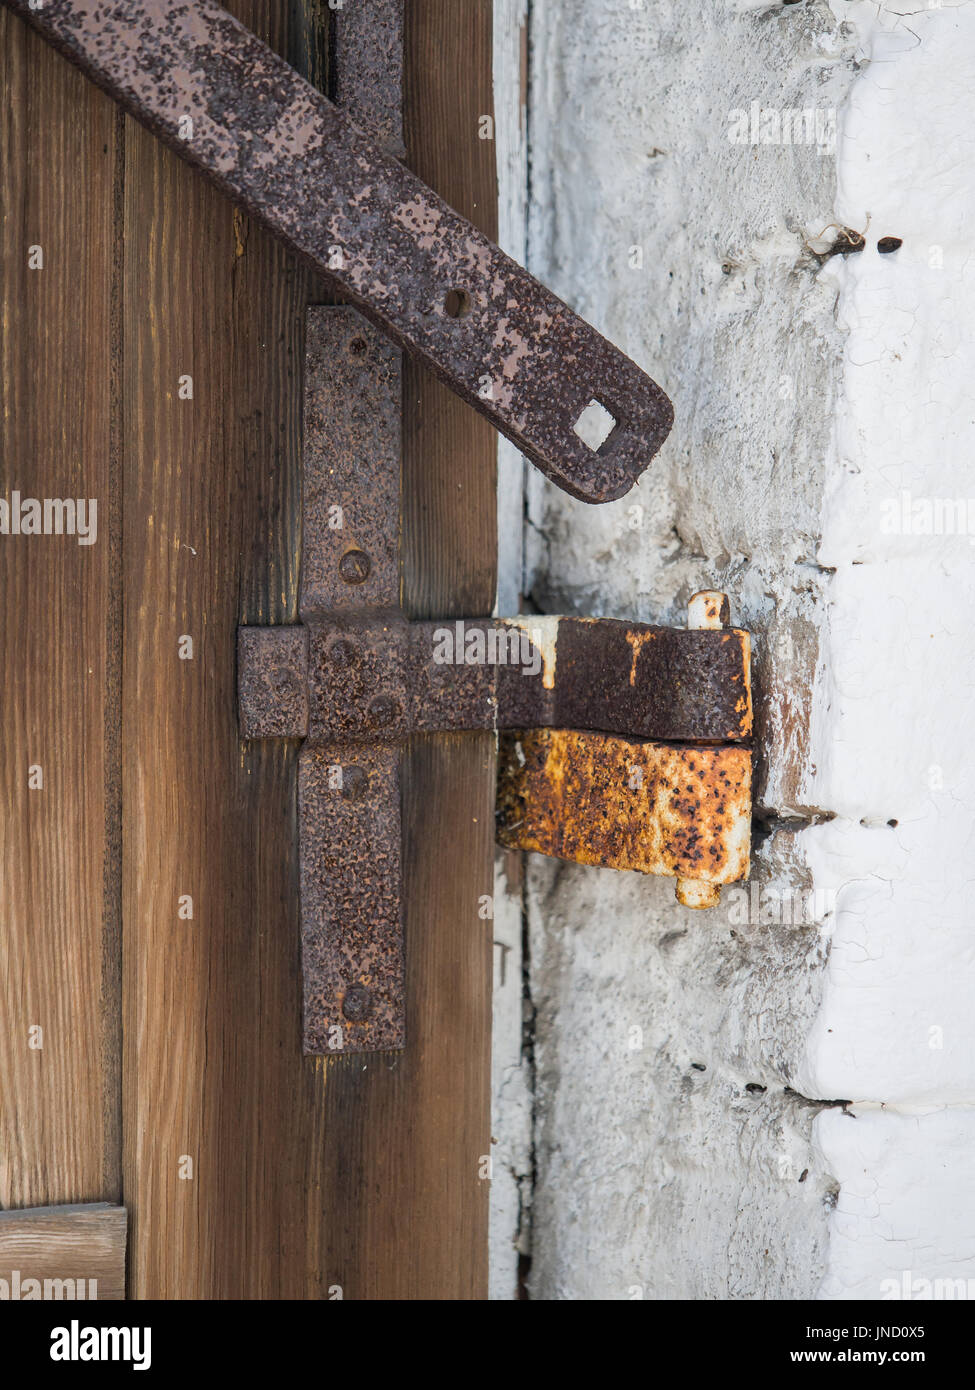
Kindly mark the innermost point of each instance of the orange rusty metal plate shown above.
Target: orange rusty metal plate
(659, 808)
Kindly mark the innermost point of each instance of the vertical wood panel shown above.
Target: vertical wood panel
(364, 1173)
(213, 1070)
(450, 463)
(407, 1134)
(59, 1105)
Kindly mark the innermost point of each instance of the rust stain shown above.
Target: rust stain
(656, 808)
(638, 638)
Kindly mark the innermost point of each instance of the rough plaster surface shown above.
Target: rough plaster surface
(511, 1063)
(682, 1066)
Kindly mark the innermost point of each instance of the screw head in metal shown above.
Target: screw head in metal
(355, 566)
(355, 783)
(383, 710)
(342, 652)
(357, 1003)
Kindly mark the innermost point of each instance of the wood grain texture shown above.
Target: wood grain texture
(409, 1134)
(450, 453)
(59, 1103)
(213, 1076)
(248, 1171)
(69, 1243)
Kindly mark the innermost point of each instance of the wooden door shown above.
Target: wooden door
(152, 360)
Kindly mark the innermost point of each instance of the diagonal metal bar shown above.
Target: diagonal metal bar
(231, 107)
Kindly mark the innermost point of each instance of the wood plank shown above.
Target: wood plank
(373, 1183)
(408, 1133)
(59, 635)
(450, 453)
(75, 1251)
(213, 1073)
(365, 1177)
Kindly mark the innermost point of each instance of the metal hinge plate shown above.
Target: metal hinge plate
(672, 797)
(622, 744)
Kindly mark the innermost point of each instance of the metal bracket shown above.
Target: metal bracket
(367, 680)
(355, 680)
(356, 690)
(680, 808)
(225, 102)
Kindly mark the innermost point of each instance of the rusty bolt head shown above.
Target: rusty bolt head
(357, 1003)
(355, 566)
(355, 783)
(383, 710)
(342, 652)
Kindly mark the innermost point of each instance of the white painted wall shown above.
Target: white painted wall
(630, 1119)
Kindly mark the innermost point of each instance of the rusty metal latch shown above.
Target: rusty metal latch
(620, 743)
(681, 807)
(671, 797)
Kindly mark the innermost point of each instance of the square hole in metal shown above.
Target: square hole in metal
(594, 425)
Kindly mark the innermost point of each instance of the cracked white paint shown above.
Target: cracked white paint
(905, 1212)
(896, 686)
(806, 396)
(892, 746)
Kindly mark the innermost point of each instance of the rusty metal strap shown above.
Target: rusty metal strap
(384, 679)
(350, 859)
(231, 107)
(655, 807)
